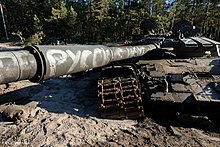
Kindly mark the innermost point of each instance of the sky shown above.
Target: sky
(169, 1)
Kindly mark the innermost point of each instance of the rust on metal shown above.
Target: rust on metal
(119, 95)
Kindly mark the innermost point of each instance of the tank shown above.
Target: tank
(170, 74)
(166, 86)
(182, 77)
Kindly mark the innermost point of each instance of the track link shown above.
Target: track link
(120, 95)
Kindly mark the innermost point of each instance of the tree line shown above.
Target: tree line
(98, 21)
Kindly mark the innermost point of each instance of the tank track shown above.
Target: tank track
(119, 94)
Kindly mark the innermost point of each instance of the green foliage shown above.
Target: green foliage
(35, 39)
(59, 13)
(60, 25)
(84, 21)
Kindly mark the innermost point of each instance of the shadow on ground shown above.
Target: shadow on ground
(71, 95)
(169, 121)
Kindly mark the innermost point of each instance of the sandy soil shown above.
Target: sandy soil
(67, 116)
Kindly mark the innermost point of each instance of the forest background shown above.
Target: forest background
(101, 21)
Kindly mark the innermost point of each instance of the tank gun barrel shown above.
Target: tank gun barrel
(17, 65)
(37, 63)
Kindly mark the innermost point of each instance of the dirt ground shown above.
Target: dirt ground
(67, 116)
